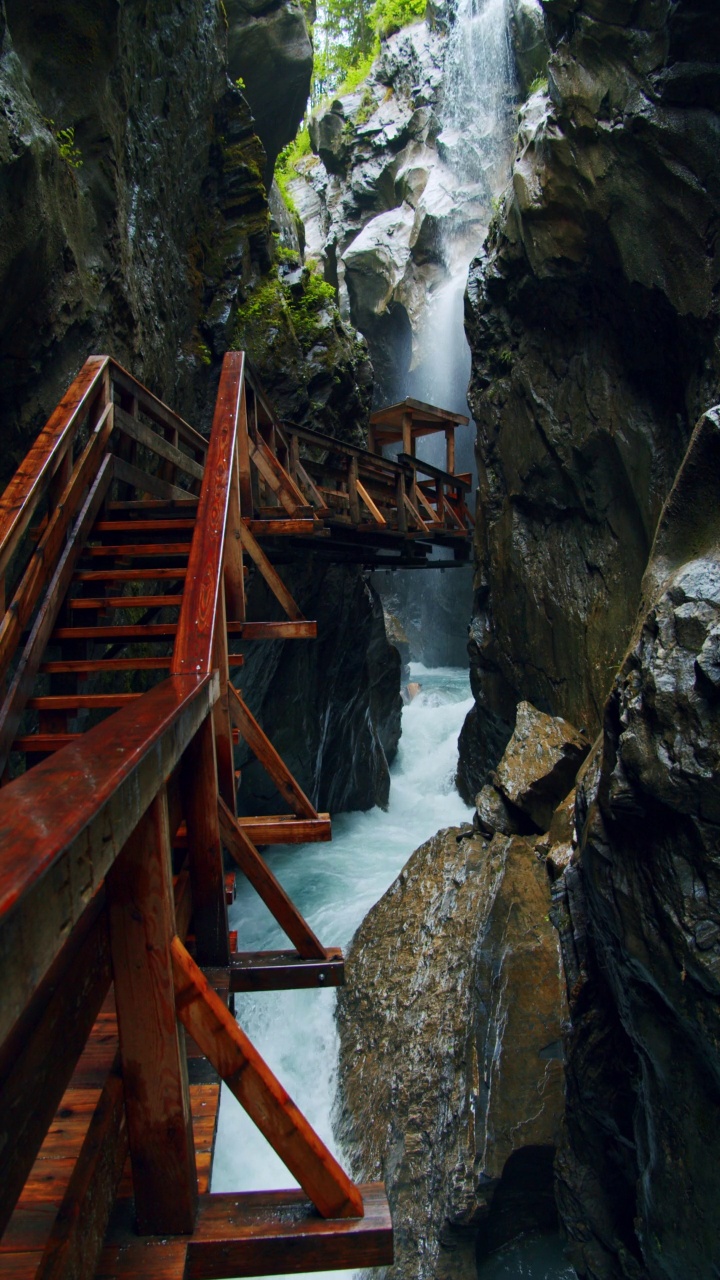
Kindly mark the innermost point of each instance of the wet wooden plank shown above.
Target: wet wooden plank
(137, 631)
(140, 550)
(375, 511)
(126, 602)
(74, 811)
(260, 1093)
(157, 409)
(81, 701)
(283, 528)
(178, 524)
(136, 574)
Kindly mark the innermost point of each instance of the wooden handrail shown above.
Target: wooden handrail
(427, 469)
(195, 641)
(75, 811)
(30, 482)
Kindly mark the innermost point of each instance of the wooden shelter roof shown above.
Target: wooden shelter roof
(387, 423)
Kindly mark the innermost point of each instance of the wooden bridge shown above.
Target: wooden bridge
(126, 541)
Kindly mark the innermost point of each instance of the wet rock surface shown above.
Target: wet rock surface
(593, 320)
(131, 201)
(640, 924)
(325, 701)
(540, 762)
(450, 1066)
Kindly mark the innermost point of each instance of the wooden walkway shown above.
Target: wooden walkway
(126, 542)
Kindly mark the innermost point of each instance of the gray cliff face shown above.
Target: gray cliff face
(123, 234)
(640, 924)
(330, 706)
(593, 322)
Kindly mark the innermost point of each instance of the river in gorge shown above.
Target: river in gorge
(335, 885)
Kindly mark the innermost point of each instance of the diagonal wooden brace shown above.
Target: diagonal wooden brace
(252, 1082)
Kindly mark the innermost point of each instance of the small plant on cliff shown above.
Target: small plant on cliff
(65, 139)
(389, 16)
(540, 82)
(287, 163)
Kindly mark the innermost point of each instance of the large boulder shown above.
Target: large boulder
(640, 923)
(450, 1059)
(540, 763)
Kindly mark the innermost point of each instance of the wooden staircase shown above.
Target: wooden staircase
(125, 543)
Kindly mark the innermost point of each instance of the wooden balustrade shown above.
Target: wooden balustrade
(111, 846)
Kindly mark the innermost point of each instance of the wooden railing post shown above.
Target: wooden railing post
(233, 567)
(221, 714)
(243, 446)
(142, 924)
(198, 776)
(400, 503)
(353, 491)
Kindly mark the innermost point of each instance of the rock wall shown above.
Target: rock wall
(330, 706)
(450, 1072)
(639, 915)
(593, 319)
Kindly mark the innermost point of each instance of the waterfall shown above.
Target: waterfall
(335, 885)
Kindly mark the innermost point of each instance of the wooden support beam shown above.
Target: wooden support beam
(376, 514)
(281, 829)
(157, 1103)
(137, 430)
(242, 849)
(249, 1078)
(450, 449)
(414, 515)
(198, 782)
(273, 630)
(268, 757)
(407, 432)
(353, 476)
(146, 483)
(288, 527)
(78, 1233)
(400, 500)
(275, 475)
(266, 1232)
(38, 1058)
(273, 579)
(284, 970)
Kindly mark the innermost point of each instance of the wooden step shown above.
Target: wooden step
(130, 575)
(284, 970)
(126, 602)
(282, 528)
(140, 549)
(140, 631)
(44, 743)
(155, 504)
(143, 526)
(81, 701)
(121, 664)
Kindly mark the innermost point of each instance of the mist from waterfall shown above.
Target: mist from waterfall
(475, 147)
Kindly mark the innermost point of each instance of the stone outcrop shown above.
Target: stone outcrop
(131, 201)
(450, 1063)
(593, 319)
(269, 50)
(330, 706)
(639, 917)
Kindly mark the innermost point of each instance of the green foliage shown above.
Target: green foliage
(286, 166)
(65, 139)
(240, 83)
(273, 308)
(540, 82)
(388, 16)
(360, 71)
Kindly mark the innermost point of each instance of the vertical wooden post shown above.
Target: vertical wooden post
(407, 435)
(450, 450)
(198, 774)
(142, 923)
(294, 456)
(246, 500)
(372, 447)
(400, 503)
(221, 714)
(233, 571)
(353, 491)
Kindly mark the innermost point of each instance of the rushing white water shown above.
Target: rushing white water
(334, 885)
